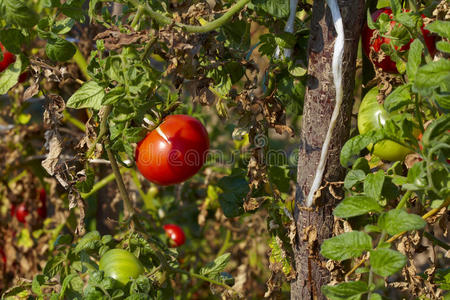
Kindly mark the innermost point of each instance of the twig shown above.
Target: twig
(210, 26)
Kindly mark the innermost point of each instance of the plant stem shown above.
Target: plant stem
(103, 130)
(210, 26)
(226, 244)
(404, 199)
(68, 117)
(436, 241)
(137, 16)
(82, 63)
(129, 209)
(203, 278)
(369, 282)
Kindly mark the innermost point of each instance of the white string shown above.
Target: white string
(337, 78)
(289, 27)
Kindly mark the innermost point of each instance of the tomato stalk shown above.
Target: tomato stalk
(209, 26)
(137, 16)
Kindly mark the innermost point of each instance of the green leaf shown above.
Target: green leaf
(373, 185)
(356, 206)
(38, 281)
(361, 164)
(443, 46)
(400, 97)
(63, 26)
(386, 262)
(397, 220)
(59, 49)
(9, 77)
(353, 177)
(90, 95)
(347, 245)
(352, 290)
(85, 184)
(54, 265)
(18, 13)
(88, 242)
(66, 283)
(285, 40)
(12, 39)
(276, 8)
(296, 70)
(375, 296)
(235, 189)
(352, 147)
(278, 255)
(114, 95)
(280, 177)
(431, 76)
(414, 60)
(440, 27)
(214, 268)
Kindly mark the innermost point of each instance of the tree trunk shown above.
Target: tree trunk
(314, 226)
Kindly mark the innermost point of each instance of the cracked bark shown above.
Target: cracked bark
(318, 107)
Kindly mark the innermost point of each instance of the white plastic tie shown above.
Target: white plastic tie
(337, 78)
(289, 27)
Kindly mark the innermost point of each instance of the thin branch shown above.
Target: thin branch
(210, 26)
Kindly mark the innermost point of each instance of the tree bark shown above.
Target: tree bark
(314, 226)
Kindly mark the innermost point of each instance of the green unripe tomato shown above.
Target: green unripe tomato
(372, 115)
(121, 265)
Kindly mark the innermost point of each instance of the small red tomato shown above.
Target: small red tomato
(42, 209)
(176, 234)
(8, 58)
(21, 213)
(174, 151)
(371, 42)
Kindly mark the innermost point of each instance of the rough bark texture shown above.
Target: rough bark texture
(315, 226)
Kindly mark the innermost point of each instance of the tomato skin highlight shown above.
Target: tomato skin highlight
(8, 58)
(121, 265)
(386, 64)
(176, 234)
(174, 151)
(372, 115)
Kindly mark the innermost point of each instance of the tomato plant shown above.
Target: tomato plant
(372, 115)
(174, 151)
(373, 41)
(176, 234)
(120, 265)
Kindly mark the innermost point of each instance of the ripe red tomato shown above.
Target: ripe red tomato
(372, 115)
(8, 58)
(174, 151)
(176, 234)
(22, 212)
(121, 265)
(368, 43)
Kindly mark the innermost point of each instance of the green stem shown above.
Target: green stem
(369, 282)
(103, 130)
(436, 241)
(101, 184)
(68, 117)
(226, 244)
(203, 278)
(129, 209)
(140, 10)
(405, 198)
(210, 26)
(419, 116)
(147, 198)
(82, 63)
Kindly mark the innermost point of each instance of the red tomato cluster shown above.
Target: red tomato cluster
(174, 151)
(176, 234)
(370, 42)
(9, 58)
(21, 211)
